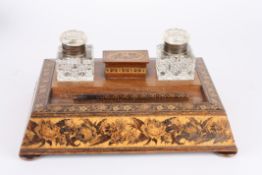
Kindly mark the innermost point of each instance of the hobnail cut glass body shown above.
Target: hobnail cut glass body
(75, 68)
(174, 66)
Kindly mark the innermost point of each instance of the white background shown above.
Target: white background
(227, 34)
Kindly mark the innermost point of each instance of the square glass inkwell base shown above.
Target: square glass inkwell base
(126, 109)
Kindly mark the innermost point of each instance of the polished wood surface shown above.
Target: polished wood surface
(150, 85)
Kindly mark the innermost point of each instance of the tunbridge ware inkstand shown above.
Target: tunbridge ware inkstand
(126, 102)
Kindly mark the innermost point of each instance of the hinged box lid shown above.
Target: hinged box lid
(125, 56)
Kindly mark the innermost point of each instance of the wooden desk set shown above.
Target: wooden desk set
(126, 102)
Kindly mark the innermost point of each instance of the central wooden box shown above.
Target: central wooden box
(125, 64)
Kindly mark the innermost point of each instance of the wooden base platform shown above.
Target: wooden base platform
(129, 116)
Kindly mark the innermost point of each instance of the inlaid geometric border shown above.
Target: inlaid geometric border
(212, 106)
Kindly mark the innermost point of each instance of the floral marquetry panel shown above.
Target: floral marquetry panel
(127, 132)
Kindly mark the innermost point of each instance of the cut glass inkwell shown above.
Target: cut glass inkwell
(75, 61)
(174, 58)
